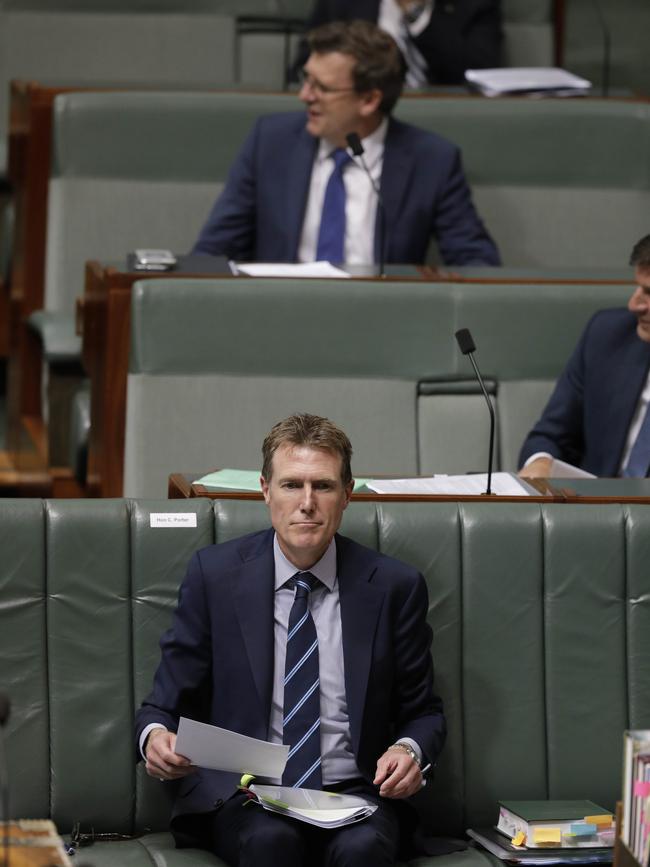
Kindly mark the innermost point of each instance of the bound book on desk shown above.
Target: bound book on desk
(556, 824)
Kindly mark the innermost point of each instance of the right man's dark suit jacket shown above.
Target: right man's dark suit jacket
(217, 659)
(587, 418)
(462, 34)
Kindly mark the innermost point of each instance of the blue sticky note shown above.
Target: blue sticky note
(583, 829)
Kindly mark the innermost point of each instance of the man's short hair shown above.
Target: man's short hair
(640, 256)
(379, 62)
(303, 429)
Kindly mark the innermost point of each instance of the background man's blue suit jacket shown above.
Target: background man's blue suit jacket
(260, 213)
(217, 662)
(587, 418)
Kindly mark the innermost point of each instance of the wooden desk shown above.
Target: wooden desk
(181, 486)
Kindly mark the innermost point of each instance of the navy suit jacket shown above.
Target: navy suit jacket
(587, 418)
(259, 215)
(217, 658)
(462, 34)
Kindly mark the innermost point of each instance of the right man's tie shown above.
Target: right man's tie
(639, 460)
(301, 724)
(331, 235)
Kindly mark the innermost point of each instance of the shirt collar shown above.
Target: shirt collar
(324, 569)
(373, 145)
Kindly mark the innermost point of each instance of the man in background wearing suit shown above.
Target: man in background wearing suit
(368, 723)
(294, 193)
(597, 417)
(439, 39)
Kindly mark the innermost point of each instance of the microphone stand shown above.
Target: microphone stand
(468, 347)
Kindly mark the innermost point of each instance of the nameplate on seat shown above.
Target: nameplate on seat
(172, 519)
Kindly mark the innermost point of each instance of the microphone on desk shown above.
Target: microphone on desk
(467, 347)
(354, 143)
(5, 709)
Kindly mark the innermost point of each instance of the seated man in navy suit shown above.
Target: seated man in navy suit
(294, 193)
(597, 416)
(299, 635)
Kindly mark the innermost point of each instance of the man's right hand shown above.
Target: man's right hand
(162, 762)
(540, 468)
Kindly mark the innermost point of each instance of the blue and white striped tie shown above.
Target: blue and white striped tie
(301, 724)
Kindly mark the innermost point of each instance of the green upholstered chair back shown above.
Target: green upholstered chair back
(541, 617)
(215, 363)
(136, 169)
(528, 33)
(558, 182)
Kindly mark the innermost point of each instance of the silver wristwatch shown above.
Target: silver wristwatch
(407, 748)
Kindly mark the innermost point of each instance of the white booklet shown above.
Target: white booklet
(323, 809)
(527, 79)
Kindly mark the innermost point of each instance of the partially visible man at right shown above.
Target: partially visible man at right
(597, 417)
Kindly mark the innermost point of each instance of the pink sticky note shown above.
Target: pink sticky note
(641, 789)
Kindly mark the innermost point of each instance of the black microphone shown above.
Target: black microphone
(5, 709)
(354, 143)
(467, 347)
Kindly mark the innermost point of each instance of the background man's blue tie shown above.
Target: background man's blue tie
(331, 235)
(301, 724)
(639, 460)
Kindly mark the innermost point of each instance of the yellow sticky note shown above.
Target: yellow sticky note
(519, 839)
(604, 821)
(547, 835)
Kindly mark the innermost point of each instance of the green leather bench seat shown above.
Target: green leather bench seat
(541, 617)
(215, 363)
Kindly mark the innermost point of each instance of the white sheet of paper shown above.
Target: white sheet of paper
(562, 470)
(504, 484)
(284, 269)
(222, 750)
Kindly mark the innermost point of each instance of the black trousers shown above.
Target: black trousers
(246, 835)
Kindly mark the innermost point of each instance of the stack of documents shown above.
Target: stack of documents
(324, 809)
(532, 81)
(474, 484)
(209, 746)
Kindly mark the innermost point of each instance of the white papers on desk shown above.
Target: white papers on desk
(221, 750)
(562, 470)
(283, 269)
(324, 809)
(504, 484)
(542, 80)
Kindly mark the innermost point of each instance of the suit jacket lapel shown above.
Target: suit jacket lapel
(253, 590)
(299, 164)
(361, 603)
(396, 173)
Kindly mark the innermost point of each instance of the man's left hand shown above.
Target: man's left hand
(398, 775)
